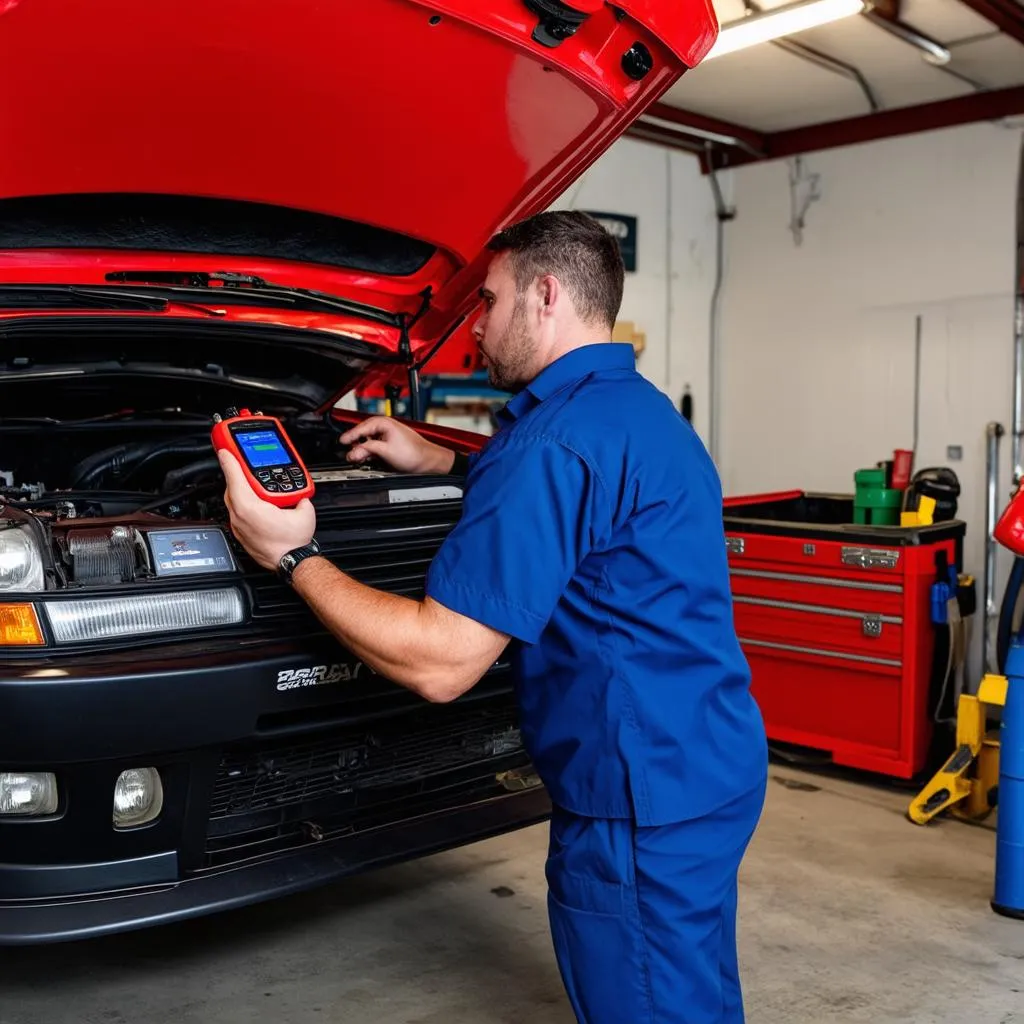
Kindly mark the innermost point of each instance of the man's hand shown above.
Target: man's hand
(398, 445)
(264, 530)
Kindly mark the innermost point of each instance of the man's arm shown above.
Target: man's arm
(421, 645)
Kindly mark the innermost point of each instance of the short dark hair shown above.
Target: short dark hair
(576, 249)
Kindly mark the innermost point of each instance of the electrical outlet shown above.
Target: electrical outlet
(954, 452)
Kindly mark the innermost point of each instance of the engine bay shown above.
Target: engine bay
(132, 462)
(126, 497)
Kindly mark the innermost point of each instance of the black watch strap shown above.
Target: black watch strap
(291, 559)
(460, 466)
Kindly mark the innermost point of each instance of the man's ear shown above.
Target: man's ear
(549, 289)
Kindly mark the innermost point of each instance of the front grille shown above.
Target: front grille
(283, 793)
(389, 548)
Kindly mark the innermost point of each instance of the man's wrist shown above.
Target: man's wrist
(441, 463)
(305, 567)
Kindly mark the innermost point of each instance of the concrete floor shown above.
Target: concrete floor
(848, 913)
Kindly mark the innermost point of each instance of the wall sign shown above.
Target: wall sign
(623, 229)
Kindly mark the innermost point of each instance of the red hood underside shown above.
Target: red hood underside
(441, 120)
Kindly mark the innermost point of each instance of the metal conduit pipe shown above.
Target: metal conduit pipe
(993, 506)
(1018, 346)
(723, 214)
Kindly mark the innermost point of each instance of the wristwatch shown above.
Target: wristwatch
(290, 559)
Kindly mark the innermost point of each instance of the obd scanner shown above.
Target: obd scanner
(266, 454)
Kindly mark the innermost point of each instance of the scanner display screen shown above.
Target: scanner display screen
(262, 448)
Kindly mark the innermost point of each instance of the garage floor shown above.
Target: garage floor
(848, 913)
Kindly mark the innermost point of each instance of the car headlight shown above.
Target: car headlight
(102, 618)
(21, 561)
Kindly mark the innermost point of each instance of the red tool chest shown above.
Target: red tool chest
(835, 621)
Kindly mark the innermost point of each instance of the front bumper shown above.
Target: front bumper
(61, 920)
(267, 791)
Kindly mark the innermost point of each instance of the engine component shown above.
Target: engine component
(103, 555)
(21, 492)
(124, 461)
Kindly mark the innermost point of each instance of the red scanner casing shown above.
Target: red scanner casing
(267, 456)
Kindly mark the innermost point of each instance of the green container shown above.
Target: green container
(869, 479)
(875, 504)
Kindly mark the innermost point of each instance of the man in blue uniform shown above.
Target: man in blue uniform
(592, 541)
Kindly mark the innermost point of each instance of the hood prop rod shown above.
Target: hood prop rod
(405, 352)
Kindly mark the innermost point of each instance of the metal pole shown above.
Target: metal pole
(917, 385)
(723, 214)
(1018, 390)
(1018, 345)
(993, 433)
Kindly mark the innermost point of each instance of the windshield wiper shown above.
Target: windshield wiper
(76, 296)
(72, 296)
(248, 289)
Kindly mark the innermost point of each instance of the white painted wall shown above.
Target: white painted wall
(669, 295)
(818, 339)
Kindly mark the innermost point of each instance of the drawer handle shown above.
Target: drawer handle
(734, 545)
(870, 558)
(872, 625)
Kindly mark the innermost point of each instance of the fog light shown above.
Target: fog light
(31, 794)
(138, 797)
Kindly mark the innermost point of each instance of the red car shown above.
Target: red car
(207, 205)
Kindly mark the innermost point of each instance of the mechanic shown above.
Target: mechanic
(592, 541)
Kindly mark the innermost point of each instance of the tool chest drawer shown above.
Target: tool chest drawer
(819, 627)
(835, 622)
(825, 591)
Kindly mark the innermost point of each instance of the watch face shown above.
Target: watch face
(292, 558)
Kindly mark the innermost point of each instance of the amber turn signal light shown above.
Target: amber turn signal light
(19, 626)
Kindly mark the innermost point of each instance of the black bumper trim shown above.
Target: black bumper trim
(34, 881)
(67, 920)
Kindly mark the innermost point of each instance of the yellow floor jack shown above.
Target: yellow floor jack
(967, 784)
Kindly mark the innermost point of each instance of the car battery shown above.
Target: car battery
(836, 622)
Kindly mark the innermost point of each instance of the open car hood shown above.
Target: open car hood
(365, 150)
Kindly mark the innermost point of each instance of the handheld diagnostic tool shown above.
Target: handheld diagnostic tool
(266, 454)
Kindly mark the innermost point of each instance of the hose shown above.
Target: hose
(84, 474)
(1007, 613)
(175, 479)
(128, 459)
(176, 448)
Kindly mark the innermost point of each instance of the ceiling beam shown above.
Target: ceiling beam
(665, 137)
(984, 106)
(1006, 15)
(703, 126)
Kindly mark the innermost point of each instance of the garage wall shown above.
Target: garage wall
(669, 295)
(818, 340)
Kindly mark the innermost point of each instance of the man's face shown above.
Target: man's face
(503, 331)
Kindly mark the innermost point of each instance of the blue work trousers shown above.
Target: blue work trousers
(643, 920)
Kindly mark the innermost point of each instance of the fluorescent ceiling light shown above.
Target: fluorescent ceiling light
(782, 21)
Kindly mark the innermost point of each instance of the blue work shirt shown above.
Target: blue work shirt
(592, 533)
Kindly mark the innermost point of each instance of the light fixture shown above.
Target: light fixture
(76, 620)
(781, 21)
(31, 794)
(138, 797)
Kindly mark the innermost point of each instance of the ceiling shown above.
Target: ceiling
(859, 78)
